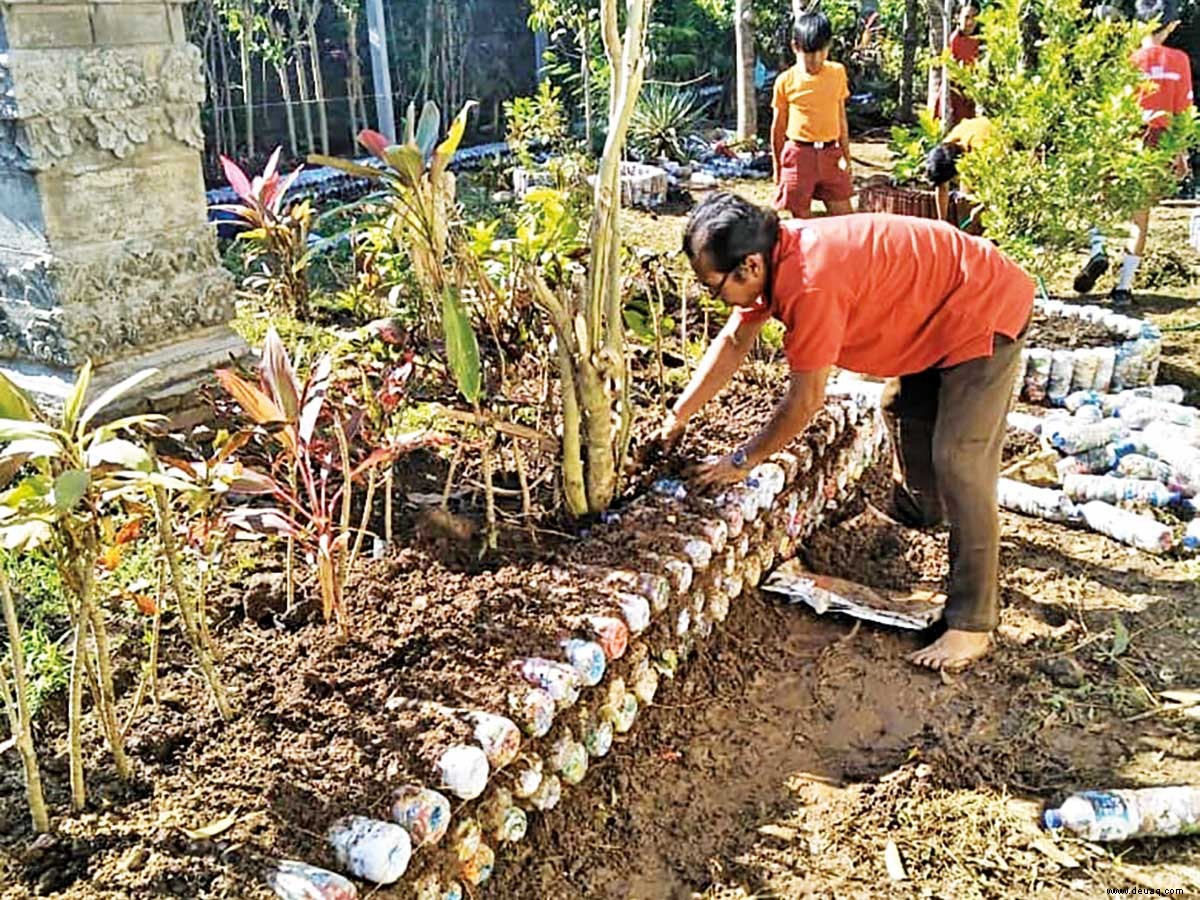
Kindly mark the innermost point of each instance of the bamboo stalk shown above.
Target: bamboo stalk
(18, 712)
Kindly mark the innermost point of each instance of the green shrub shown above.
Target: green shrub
(664, 118)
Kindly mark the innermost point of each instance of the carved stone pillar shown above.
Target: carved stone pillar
(104, 250)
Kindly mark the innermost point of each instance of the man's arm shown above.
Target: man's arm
(805, 395)
(778, 139)
(722, 359)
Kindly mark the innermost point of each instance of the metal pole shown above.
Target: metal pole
(381, 73)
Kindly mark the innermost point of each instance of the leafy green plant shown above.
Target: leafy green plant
(911, 146)
(664, 118)
(1066, 151)
(277, 238)
(537, 120)
(69, 476)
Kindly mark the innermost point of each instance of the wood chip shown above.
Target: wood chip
(778, 831)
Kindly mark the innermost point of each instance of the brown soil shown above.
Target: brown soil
(1061, 333)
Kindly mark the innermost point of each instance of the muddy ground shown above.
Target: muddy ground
(780, 765)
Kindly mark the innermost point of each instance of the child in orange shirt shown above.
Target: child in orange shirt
(1169, 92)
(810, 139)
(964, 48)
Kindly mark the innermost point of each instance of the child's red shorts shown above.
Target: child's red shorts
(807, 172)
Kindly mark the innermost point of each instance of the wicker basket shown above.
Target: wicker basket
(880, 195)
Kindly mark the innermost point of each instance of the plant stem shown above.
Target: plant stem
(18, 712)
(75, 713)
(108, 705)
(187, 608)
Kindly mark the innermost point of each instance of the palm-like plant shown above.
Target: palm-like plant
(663, 119)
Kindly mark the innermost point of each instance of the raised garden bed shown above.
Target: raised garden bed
(879, 194)
(1071, 347)
(606, 619)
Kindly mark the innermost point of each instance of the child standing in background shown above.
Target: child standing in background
(810, 138)
(964, 49)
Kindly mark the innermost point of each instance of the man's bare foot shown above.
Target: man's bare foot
(953, 651)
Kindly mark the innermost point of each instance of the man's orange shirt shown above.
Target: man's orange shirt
(890, 295)
(1170, 73)
(812, 103)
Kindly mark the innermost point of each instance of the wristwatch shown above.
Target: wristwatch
(739, 459)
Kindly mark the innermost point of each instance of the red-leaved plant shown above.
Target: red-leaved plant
(312, 477)
(277, 256)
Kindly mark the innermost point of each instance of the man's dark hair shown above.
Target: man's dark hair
(729, 228)
(1165, 11)
(812, 32)
(971, 5)
(942, 163)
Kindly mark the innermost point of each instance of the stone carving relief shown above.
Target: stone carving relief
(147, 293)
(111, 99)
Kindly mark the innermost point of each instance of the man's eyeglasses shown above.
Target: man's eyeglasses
(714, 290)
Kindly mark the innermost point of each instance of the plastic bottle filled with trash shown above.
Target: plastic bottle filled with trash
(1079, 398)
(527, 775)
(498, 737)
(295, 880)
(1088, 414)
(1082, 488)
(1045, 503)
(478, 869)
(1062, 365)
(1094, 461)
(422, 812)
(1141, 411)
(1073, 437)
(1135, 465)
(1025, 422)
(636, 611)
(1083, 373)
(371, 849)
(587, 658)
(1123, 814)
(1127, 527)
(1191, 536)
(1037, 374)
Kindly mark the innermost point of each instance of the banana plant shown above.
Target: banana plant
(64, 478)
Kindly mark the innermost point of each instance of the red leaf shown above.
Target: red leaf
(272, 164)
(146, 605)
(111, 557)
(257, 405)
(375, 142)
(279, 375)
(236, 177)
(129, 531)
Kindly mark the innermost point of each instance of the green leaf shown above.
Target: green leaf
(69, 488)
(119, 452)
(427, 129)
(462, 347)
(638, 324)
(74, 401)
(447, 148)
(33, 448)
(24, 429)
(344, 165)
(406, 160)
(121, 387)
(14, 402)
(1120, 637)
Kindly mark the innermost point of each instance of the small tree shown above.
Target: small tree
(1067, 151)
(588, 325)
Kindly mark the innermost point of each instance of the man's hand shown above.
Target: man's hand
(713, 474)
(671, 431)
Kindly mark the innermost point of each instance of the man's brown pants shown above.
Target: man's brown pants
(948, 428)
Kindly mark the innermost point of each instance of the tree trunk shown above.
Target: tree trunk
(293, 14)
(314, 51)
(937, 42)
(285, 88)
(427, 54)
(908, 64)
(585, 71)
(19, 712)
(245, 36)
(354, 84)
(747, 102)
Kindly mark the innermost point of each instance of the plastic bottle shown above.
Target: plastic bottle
(670, 487)
(1106, 362)
(611, 633)
(1045, 503)
(1141, 411)
(500, 818)
(533, 709)
(1082, 488)
(636, 610)
(587, 658)
(549, 792)
(1094, 461)
(1079, 398)
(1025, 422)
(370, 849)
(498, 737)
(295, 880)
(422, 812)
(464, 771)
(1191, 536)
(478, 869)
(1123, 814)
(1088, 414)
(1062, 364)
(559, 680)
(1072, 437)
(527, 775)
(1083, 373)
(1172, 436)
(1135, 465)
(1127, 527)
(467, 838)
